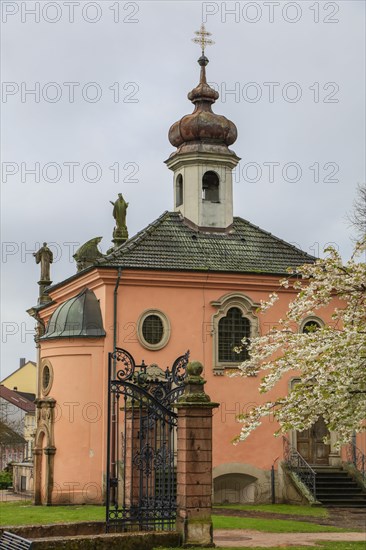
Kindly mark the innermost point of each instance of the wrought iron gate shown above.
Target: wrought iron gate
(141, 469)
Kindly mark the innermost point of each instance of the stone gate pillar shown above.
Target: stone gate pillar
(194, 460)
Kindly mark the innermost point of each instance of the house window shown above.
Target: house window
(23, 484)
(232, 329)
(311, 324)
(179, 190)
(46, 376)
(210, 187)
(234, 320)
(153, 329)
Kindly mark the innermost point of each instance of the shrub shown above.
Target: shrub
(6, 480)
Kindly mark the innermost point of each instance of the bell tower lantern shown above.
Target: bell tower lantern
(203, 163)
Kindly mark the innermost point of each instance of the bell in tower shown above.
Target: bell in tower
(203, 163)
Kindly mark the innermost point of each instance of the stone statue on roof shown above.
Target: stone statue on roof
(44, 256)
(120, 233)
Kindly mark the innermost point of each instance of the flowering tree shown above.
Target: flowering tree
(330, 360)
(357, 218)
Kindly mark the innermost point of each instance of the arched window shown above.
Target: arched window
(235, 320)
(210, 187)
(311, 324)
(179, 190)
(232, 329)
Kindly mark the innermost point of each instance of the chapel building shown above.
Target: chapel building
(191, 280)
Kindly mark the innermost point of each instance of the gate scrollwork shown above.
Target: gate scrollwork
(141, 454)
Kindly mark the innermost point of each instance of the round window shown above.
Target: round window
(46, 378)
(153, 329)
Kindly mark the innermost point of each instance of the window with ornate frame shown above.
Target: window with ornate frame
(234, 320)
(153, 329)
(46, 377)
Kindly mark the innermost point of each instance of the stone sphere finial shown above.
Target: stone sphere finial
(194, 393)
(194, 368)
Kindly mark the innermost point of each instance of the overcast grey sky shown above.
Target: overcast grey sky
(109, 78)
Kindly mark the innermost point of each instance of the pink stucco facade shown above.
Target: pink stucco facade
(79, 373)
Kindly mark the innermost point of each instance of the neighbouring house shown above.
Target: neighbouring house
(11, 446)
(23, 379)
(17, 411)
(18, 428)
(23, 478)
(192, 279)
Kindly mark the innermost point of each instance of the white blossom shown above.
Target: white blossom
(330, 362)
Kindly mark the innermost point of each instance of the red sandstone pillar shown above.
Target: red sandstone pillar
(194, 461)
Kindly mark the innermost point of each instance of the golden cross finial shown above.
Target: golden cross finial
(202, 38)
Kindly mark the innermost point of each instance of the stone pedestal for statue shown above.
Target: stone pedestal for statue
(194, 461)
(43, 297)
(44, 257)
(120, 235)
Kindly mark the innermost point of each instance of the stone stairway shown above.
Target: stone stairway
(334, 487)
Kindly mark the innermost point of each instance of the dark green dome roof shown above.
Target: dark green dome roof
(79, 317)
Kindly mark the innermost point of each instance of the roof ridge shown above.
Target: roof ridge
(275, 237)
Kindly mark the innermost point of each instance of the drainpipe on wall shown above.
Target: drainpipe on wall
(115, 293)
(112, 461)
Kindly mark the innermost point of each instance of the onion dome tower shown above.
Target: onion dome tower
(203, 163)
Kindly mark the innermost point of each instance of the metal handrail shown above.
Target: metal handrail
(356, 457)
(297, 463)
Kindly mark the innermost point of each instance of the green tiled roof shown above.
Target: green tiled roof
(170, 243)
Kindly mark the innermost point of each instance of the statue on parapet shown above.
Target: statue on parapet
(120, 233)
(44, 256)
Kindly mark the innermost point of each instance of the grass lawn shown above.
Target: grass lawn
(322, 546)
(25, 513)
(291, 509)
(271, 525)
